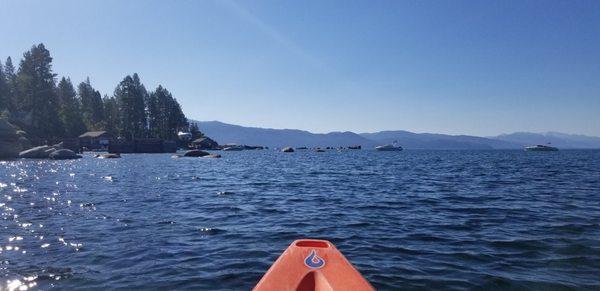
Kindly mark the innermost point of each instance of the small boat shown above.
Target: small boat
(541, 148)
(310, 264)
(389, 147)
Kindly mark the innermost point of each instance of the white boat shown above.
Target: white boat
(389, 147)
(541, 148)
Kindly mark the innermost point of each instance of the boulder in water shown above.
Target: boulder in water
(108, 156)
(36, 153)
(195, 153)
(287, 150)
(64, 154)
(50, 150)
(205, 143)
(214, 156)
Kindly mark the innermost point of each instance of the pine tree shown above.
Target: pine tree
(91, 105)
(141, 104)
(165, 114)
(111, 114)
(11, 85)
(70, 112)
(37, 94)
(3, 90)
(132, 111)
(195, 131)
(177, 120)
(153, 115)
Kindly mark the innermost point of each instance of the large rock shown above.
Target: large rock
(195, 153)
(41, 152)
(64, 154)
(288, 150)
(214, 156)
(205, 143)
(9, 140)
(108, 156)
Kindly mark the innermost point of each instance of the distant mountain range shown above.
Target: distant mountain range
(225, 133)
(557, 139)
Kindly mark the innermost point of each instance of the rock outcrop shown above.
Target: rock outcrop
(214, 156)
(9, 140)
(195, 153)
(40, 152)
(287, 150)
(205, 143)
(108, 156)
(64, 154)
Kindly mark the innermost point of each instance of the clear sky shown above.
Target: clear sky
(458, 67)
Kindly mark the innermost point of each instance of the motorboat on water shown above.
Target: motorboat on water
(389, 147)
(541, 148)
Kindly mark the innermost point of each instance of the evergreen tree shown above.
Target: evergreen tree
(70, 112)
(37, 94)
(33, 100)
(11, 85)
(153, 115)
(141, 89)
(177, 119)
(132, 111)
(91, 105)
(111, 114)
(3, 90)
(165, 114)
(195, 131)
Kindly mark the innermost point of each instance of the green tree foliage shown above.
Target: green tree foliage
(195, 131)
(165, 115)
(37, 94)
(49, 111)
(11, 85)
(70, 109)
(91, 105)
(132, 109)
(111, 114)
(3, 90)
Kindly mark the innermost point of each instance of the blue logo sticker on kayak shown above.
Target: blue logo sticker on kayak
(313, 261)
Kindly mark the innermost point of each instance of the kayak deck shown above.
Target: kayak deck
(308, 265)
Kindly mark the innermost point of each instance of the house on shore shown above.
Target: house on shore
(95, 140)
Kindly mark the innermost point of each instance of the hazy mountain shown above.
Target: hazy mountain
(225, 133)
(412, 140)
(560, 140)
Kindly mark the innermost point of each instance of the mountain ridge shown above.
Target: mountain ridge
(225, 133)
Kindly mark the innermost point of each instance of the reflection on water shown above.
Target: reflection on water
(412, 219)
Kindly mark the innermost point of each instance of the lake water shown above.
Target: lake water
(406, 220)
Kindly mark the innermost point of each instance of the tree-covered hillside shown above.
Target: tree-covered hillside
(49, 109)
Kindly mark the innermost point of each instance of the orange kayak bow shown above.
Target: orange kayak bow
(308, 265)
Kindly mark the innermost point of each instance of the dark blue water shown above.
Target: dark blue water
(407, 220)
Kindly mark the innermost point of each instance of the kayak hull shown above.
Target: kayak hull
(308, 265)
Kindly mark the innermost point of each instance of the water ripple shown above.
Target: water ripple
(410, 220)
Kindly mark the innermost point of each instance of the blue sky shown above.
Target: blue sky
(458, 67)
